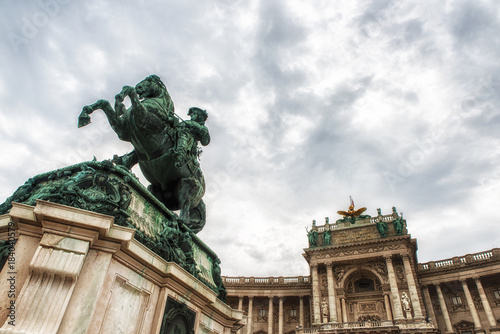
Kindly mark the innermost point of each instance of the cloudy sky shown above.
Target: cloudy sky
(393, 103)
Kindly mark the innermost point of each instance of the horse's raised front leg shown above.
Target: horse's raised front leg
(116, 122)
(84, 118)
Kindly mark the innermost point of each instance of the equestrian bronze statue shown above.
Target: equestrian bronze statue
(165, 146)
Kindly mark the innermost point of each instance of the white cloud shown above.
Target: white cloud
(308, 103)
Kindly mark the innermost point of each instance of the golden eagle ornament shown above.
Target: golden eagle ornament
(351, 213)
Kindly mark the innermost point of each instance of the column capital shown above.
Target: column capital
(476, 278)
(462, 280)
(314, 266)
(250, 297)
(388, 258)
(405, 256)
(329, 265)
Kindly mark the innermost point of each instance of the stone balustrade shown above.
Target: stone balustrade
(372, 220)
(461, 260)
(346, 325)
(228, 281)
(342, 327)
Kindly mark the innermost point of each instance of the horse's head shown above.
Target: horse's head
(152, 86)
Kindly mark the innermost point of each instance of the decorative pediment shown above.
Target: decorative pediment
(464, 325)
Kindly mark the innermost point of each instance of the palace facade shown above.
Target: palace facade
(364, 278)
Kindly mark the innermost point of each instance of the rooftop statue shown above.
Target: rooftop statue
(351, 214)
(165, 146)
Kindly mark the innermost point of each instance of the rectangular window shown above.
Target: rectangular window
(262, 313)
(293, 314)
(496, 294)
(456, 300)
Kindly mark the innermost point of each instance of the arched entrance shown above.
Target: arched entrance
(364, 298)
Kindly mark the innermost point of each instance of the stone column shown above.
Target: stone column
(250, 316)
(415, 300)
(444, 309)
(387, 306)
(398, 311)
(240, 307)
(477, 323)
(486, 304)
(270, 316)
(315, 291)
(430, 306)
(332, 298)
(301, 311)
(280, 312)
(344, 310)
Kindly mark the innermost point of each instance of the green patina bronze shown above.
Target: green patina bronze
(312, 235)
(399, 226)
(110, 189)
(382, 228)
(327, 237)
(165, 146)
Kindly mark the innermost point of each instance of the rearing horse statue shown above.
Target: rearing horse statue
(165, 147)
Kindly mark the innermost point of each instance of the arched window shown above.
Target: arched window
(364, 285)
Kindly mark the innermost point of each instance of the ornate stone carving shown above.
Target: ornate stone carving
(406, 303)
(369, 318)
(105, 188)
(464, 326)
(477, 300)
(400, 273)
(436, 306)
(380, 268)
(178, 318)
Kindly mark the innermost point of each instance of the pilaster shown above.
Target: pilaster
(54, 271)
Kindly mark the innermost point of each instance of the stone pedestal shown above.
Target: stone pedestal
(76, 271)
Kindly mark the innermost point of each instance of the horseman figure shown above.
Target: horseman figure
(165, 146)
